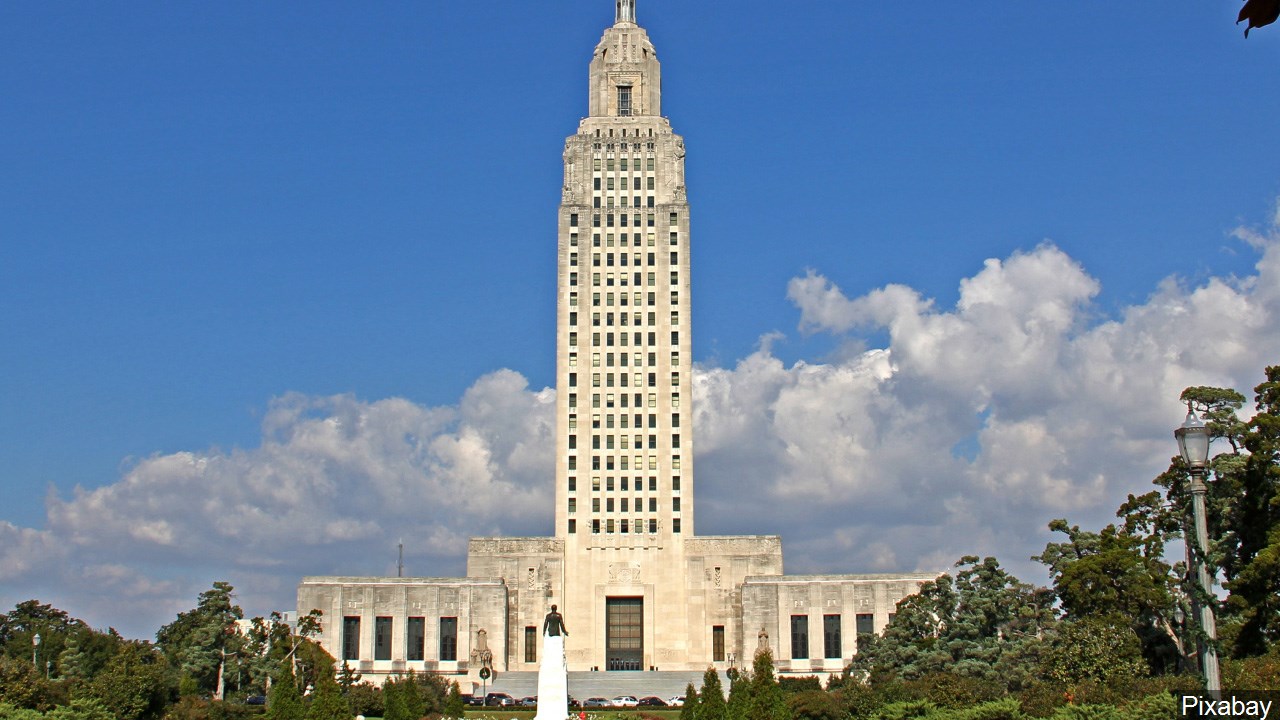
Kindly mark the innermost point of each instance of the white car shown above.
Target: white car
(676, 700)
(625, 701)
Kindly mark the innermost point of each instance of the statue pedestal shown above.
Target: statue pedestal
(553, 680)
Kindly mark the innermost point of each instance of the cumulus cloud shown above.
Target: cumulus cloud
(966, 434)
(334, 484)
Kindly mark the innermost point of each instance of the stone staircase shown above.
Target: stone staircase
(583, 685)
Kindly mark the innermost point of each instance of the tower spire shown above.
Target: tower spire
(626, 12)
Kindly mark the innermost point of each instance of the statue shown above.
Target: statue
(553, 624)
(763, 639)
(553, 672)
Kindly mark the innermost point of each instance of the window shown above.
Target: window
(449, 639)
(675, 483)
(530, 644)
(675, 504)
(799, 637)
(865, 623)
(595, 505)
(573, 442)
(595, 527)
(416, 638)
(573, 219)
(675, 441)
(717, 643)
(350, 638)
(675, 219)
(573, 505)
(831, 636)
(573, 527)
(653, 485)
(675, 526)
(653, 526)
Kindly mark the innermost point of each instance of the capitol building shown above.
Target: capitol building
(639, 589)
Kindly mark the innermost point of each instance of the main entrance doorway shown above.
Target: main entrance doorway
(624, 633)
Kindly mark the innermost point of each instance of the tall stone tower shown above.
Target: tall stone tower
(624, 450)
(637, 588)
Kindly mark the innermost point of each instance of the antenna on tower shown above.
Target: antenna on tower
(400, 563)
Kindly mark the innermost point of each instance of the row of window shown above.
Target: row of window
(621, 462)
(623, 442)
(673, 238)
(415, 631)
(622, 163)
(622, 505)
(622, 183)
(620, 259)
(623, 481)
(622, 359)
(831, 646)
(673, 219)
(622, 527)
(620, 379)
(621, 279)
(622, 421)
(622, 202)
(612, 319)
(610, 400)
(639, 298)
(622, 338)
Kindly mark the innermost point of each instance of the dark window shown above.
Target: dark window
(799, 637)
(675, 526)
(624, 633)
(530, 644)
(350, 638)
(573, 219)
(416, 639)
(449, 639)
(865, 624)
(831, 636)
(382, 638)
(573, 527)
(624, 102)
(717, 643)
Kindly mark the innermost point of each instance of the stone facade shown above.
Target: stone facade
(638, 589)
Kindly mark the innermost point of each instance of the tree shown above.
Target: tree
(134, 683)
(984, 623)
(767, 701)
(19, 627)
(1120, 573)
(1093, 649)
(453, 706)
(711, 705)
(327, 702)
(689, 711)
(202, 642)
(1251, 558)
(284, 702)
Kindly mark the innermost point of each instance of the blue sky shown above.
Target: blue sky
(221, 223)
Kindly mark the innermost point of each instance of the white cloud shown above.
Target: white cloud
(973, 428)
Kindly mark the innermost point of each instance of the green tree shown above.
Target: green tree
(1251, 551)
(327, 702)
(767, 701)
(453, 706)
(816, 705)
(19, 627)
(1093, 649)
(984, 623)
(711, 704)
(134, 683)
(204, 643)
(689, 710)
(284, 702)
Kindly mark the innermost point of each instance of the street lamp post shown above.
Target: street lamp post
(35, 652)
(1193, 442)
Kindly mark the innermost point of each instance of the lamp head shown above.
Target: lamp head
(1193, 441)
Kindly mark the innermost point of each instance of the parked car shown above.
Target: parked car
(473, 700)
(596, 702)
(676, 701)
(625, 701)
(256, 700)
(652, 701)
(530, 701)
(500, 699)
